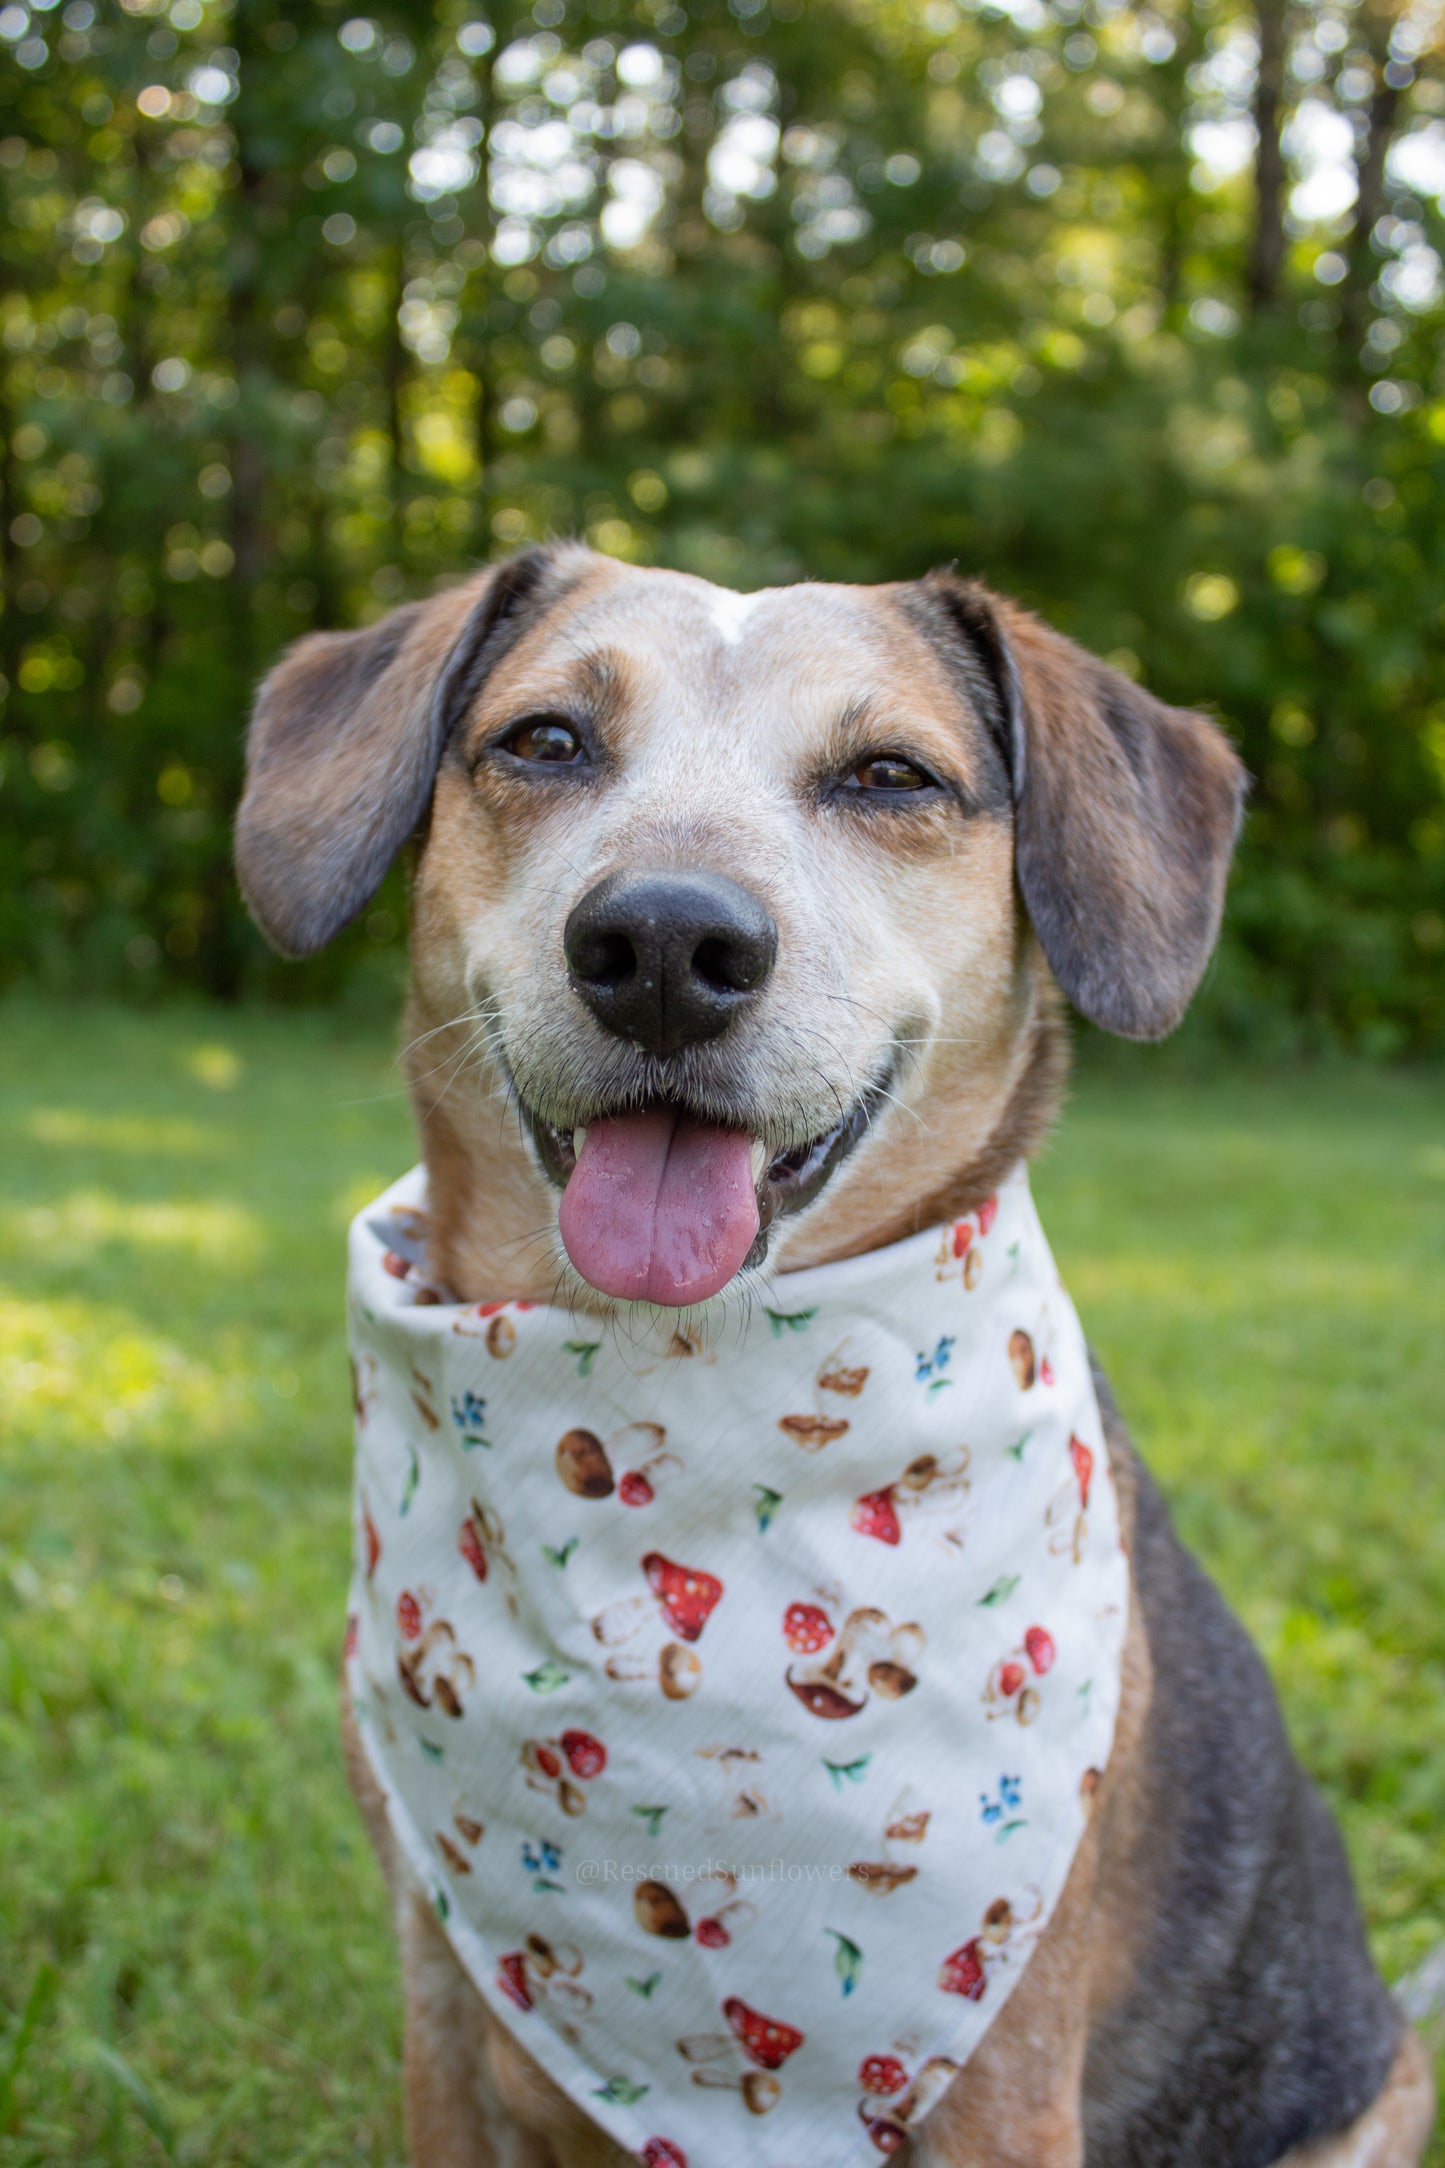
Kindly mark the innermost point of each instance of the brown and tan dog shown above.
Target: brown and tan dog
(806, 868)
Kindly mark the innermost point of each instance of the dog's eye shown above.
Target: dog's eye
(545, 738)
(888, 772)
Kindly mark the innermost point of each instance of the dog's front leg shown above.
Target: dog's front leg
(474, 2099)
(451, 2122)
(1018, 2103)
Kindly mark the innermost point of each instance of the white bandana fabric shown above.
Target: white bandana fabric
(741, 1707)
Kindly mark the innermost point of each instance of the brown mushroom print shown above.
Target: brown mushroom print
(684, 1599)
(561, 1767)
(1067, 1514)
(960, 1245)
(582, 1463)
(1021, 1358)
(905, 1824)
(813, 1432)
(585, 1463)
(659, 1911)
(1010, 1690)
(926, 1483)
(892, 2099)
(967, 1970)
(868, 1656)
(433, 1671)
(547, 1975)
(765, 2042)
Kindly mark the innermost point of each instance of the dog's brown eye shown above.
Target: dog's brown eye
(888, 771)
(544, 738)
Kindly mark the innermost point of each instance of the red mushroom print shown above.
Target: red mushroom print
(871, 1655)
(1046, 1371)
(882, 2074)
(638, 1487)
(962, 1972)
(583, 1755)
(373, 1542)
(766, 2041)
(688, 1596)
(987, 1214)
(469, 1543)
(875, 1514)
(712, 1933)
(408, 1616)
(662, 2153)
(1083, 1461)
(962, 1236)
(1009, 1691)
(586, 1756)
(806, 1628)
(512, 1979)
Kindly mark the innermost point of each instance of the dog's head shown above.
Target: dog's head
(741, 901)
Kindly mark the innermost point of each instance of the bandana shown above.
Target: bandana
(740, 1704)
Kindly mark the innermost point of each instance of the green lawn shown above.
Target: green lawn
(194, 1956)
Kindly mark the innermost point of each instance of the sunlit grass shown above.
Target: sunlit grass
(186, 1900)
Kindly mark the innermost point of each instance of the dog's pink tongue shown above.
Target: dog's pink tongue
(660, 1208)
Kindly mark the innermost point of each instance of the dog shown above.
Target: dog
(818, 864)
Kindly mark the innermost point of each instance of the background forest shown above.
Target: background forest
(1137, 310)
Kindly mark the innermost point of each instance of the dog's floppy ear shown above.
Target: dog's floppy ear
(1125, 811)
(345, 740)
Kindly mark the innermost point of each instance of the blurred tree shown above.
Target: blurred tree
(1136, 309)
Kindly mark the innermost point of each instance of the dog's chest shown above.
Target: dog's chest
(741, 1707)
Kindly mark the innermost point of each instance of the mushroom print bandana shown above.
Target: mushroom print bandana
(740, 1704)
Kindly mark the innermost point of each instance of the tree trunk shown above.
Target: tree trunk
(1266, 257)
(10, 636)
(1370, 207)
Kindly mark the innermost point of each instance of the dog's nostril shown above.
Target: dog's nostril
(721, 965)
(607, 959)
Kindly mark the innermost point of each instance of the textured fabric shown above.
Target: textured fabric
(742, 1706)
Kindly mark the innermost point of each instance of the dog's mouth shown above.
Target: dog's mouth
(661, 1204)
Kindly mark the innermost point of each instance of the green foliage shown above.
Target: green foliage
(305, 313)
(197, 1962)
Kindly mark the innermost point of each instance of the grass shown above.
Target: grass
(195, 1963)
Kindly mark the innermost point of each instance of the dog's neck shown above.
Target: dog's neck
(493, 1213)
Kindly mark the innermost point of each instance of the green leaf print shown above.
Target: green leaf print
(782, 1321)
(437, 1753)
(653, 1818)
(560, 1556)
(939, 1385)
(848, 1772)
(1001, 1591)
(847, 1961)
(1009, 1828)
(442, 1902)
(645, 1987)
(1016, 1450)
(408, 1488)
(547, 1677)
(619, 2092)
(765, 1505)
(585, 1352)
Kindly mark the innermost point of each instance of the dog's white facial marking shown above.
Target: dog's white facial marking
(729, 612)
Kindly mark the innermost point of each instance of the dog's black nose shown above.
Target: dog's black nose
(667, 959)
